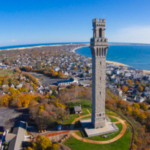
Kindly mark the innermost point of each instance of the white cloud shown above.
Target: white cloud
(134, 34)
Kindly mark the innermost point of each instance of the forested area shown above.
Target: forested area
(137, 115)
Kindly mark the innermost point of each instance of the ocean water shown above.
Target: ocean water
(137, 57)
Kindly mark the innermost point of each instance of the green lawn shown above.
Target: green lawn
(85, 104)
(69, 120)
(108, 112)
(86, 118)
(122, 144)
(113, 119)
(6, 72)
(100, 137)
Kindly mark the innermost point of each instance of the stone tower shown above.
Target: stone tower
(99, 46)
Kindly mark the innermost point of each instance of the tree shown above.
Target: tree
(124, 88)
(54, 92)
(143, 106)
(42, 143)
(60, 74)
(130, 82)
(29, 148)
(17, 70)
(136, 113)
(129, 109)
(140, 88)
(115, 97)
(121, 104)
(136, 105)
(134, 147)
(52, 71)
(75, 67)
(141, 117)
(26, 68)
(137, 82)
(55, 146)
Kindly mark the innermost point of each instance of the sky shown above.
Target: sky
(53, 21)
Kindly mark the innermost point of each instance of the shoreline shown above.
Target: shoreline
(116, 63)
(77, 48)
(74, 51)
(32, 47)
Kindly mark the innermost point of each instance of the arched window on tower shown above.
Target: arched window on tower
(100, 32)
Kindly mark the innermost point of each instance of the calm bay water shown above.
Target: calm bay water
(134, 56)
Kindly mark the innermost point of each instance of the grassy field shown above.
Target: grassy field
(85, 104)
(6, 72)
(121, 144)
(113, 119)
(100, 137)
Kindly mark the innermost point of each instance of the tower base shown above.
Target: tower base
(91, 131)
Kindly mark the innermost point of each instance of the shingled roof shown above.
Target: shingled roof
(77, 108)
(16, 142)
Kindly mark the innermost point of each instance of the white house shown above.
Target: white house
(118, 91)
(56, 68)
(139, 99)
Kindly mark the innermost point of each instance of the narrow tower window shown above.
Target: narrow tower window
(100, 32)
(105, 51)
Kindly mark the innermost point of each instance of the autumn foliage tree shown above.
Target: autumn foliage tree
(26, 68)
(130, 82)
(140, 88)
(43, 143)
(124, 88)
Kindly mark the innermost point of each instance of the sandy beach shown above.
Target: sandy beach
(32, 47)
(116, 63)
(77, 48)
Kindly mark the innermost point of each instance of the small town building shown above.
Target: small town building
(77, 109)
(118, 92)
(139, 99)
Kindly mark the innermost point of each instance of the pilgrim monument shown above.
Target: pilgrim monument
(99, 124)
(99, 46)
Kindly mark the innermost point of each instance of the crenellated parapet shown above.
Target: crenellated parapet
(99, 21)
(99, 28)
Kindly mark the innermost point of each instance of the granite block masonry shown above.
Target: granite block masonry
(99, 124)
(99, 47)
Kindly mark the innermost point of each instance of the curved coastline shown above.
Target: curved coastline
(74, 50)
(115, 63)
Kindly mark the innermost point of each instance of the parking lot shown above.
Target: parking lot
(46, 80)
(9, 116)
